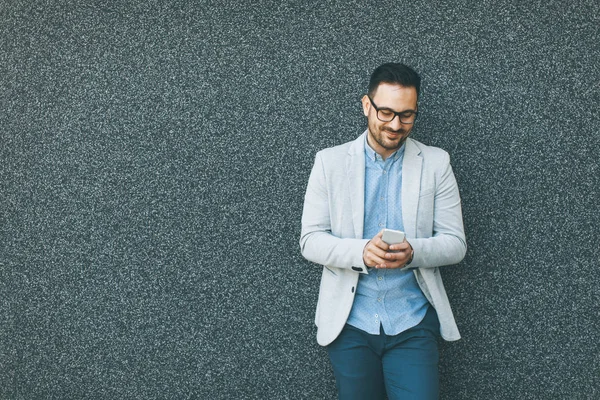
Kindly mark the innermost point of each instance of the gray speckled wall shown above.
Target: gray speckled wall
(154, 157)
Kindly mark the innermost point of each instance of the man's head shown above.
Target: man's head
(394, 73)
(391, 106)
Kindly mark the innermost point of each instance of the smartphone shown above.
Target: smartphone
(391, 236)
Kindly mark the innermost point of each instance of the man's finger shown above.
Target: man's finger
(400, 246)
(376, 250)
(391, 265)
(376, 260)
(400, 255)
(380, 243)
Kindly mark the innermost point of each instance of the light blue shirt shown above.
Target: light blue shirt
(385, 297)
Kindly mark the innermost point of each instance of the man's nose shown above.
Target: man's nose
(396, 124)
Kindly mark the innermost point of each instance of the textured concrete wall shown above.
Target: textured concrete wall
(153, 161)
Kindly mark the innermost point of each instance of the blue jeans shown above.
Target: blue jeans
(404, 366)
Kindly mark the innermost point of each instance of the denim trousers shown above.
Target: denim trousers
(403, 366)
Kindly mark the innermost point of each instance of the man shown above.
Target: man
(381, 307)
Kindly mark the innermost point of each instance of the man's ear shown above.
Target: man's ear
(366, 104)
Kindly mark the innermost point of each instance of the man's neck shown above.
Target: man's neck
(383, 152)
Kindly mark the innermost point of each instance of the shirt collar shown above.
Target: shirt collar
(374, 156)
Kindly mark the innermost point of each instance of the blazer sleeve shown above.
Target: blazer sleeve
(447, 244)
(317, 243)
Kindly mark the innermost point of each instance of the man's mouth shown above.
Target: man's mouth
(394, 134)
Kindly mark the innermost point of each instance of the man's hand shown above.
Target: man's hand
(379, 254)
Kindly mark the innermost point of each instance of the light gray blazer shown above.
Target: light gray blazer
(332, 228)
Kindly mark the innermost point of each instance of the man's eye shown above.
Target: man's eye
(386, 113)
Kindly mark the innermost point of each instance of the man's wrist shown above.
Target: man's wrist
(363, 254)
(412, 255)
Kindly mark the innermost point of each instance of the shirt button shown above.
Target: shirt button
(382, 198)
(376, 316)
(380, 224)
(380, 278)
(384, 172)
(379, 299)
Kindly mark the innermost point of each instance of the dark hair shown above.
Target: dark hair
(394, 73)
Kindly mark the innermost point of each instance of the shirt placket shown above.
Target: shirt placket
(382, 213)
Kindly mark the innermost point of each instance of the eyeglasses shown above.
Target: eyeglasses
(387, 115)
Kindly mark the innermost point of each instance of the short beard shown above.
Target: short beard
(380, 141)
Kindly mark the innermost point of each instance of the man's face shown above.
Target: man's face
(387, 137)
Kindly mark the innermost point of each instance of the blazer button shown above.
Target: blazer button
(352, 289)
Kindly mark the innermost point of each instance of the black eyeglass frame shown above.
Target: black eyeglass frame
(399, 114)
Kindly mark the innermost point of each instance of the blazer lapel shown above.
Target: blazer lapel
(355, 169)
(411, 186)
